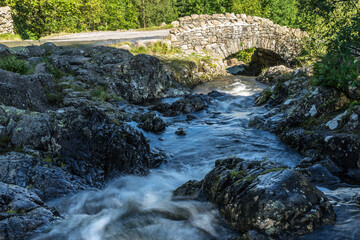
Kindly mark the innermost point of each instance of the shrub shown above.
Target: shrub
(245, 55)
(12, 64)
(335, 70)
(34, 19)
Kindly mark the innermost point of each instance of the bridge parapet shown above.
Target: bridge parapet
(226, 34)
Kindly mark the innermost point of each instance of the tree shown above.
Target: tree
(339, 29)
(154, 12)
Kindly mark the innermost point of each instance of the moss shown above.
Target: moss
(116, 121)
(48, 159)
(310, 122)
(101, 94)
(11, 211)
(55, 72)
(55, 98)
(237, 174)
(250, 178)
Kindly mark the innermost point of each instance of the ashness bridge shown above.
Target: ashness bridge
(227, 34)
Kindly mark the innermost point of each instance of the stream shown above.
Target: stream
(135, 208)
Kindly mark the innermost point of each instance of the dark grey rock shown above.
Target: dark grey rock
(188, 104)
(180, 132)
(24, 92)
(21, 212)
(151, 122)
(261, 196)
(39, 176)
(4, 50)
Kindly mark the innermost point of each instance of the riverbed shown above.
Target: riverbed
(133, 207)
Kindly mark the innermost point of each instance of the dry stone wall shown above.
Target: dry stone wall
(6, 21)
(226, 34)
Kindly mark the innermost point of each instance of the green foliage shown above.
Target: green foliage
(11, 211)
(37, 18)
(55, 98)
(237, 174)
(154, 12)
(337, 23)
(101, 94)
(12, 64)
(9, 36)
(336, 70)
(283, 12)
(157, 48)
(245, 55)
(34, 18)
(188, 7)
(248, 7)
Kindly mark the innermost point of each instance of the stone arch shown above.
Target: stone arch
(227, 34)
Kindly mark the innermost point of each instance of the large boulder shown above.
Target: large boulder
(40, 176)
(256, 195)
(92, 145)
(84, 141)
(24, 91)
(140, 79)
(21, 212)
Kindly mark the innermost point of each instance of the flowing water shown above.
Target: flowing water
(137, 208)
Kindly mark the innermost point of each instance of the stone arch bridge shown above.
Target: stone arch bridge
(227, 34)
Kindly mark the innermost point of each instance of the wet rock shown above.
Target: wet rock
(216, 94)
(21, 212)
(313, 118)
(237, 70)
(151, 122)
(188, 104)
(85, 141)
(39, 176)
(344, 195)
(319, 175)
(94, 147)
(261, 196)
(180, 132)
(159, 158)
(190, 117)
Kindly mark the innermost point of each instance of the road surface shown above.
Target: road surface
(95, 38)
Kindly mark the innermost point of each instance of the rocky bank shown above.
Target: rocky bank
(63, 124)
(64, 127)
(319, 121)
